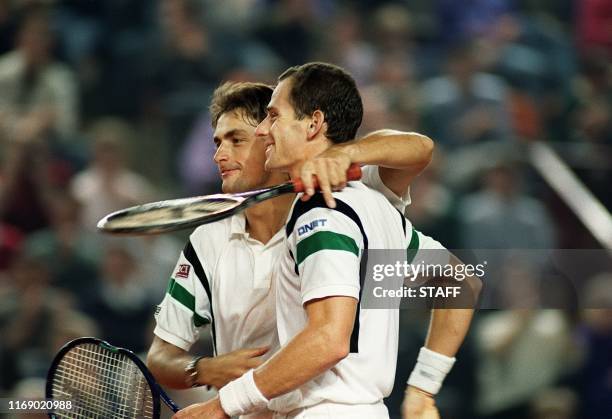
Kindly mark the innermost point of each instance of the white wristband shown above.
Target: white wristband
(242, 396)
(430, 370)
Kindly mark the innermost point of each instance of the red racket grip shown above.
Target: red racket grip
(353, 173)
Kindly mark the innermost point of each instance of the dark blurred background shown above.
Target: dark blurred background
(103, 105)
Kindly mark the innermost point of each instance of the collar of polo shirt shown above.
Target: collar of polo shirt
(238, 225)
(238, 230)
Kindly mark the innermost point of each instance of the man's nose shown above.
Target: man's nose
(263, 128)
(221, 154)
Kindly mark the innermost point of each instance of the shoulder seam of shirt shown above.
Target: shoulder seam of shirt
(317, 201)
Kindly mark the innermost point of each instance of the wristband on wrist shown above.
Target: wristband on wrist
(430, 370)
(242, 396)
(191, 370)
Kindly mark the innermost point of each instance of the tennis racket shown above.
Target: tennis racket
(177, 214)
(102, 381)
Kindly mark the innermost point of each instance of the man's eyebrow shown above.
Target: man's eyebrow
(230, 133)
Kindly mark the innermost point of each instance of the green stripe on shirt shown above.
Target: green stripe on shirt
(184, 297)
(413, 247)
(325, 240)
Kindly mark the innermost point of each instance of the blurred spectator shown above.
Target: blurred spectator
(463, 20)
(290, 30)
(534, 55)
(187, 66)
(395, 88)
(240, 14)
(392, 25)
(465, 106)
(25, 186)
(502, 216)
(31, 313)
(39, 94)
(522, 351)
(68, 250)
(347, 46)
(531, 52)
(108, 184)
(121, 299)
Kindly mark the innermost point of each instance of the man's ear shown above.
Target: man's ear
(317, 124)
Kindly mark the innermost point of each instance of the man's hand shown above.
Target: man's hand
(207, 410)
(419, 405)
(330, 169)
(222, 369)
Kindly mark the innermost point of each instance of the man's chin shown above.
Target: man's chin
(272, 165)
(235, 187)
(228, 187)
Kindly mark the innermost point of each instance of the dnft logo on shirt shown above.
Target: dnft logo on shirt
(311, 226)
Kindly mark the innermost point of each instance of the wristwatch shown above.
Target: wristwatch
(191, 370)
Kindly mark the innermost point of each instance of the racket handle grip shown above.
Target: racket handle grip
(353, 173)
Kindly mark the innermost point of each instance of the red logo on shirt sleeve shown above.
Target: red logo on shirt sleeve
(183, 271)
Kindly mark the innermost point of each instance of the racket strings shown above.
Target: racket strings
(101, 384)
(170, 215)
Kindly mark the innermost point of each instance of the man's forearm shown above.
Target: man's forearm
(168, 366)
(448, 327)
(447, 330)
(391, 149)
(309, 354)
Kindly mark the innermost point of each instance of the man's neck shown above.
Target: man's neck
(311, 150)
(265, 219)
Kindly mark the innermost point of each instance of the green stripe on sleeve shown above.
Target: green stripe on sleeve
(413, 247)
(325, 240)
(199, 320)
(184, 297)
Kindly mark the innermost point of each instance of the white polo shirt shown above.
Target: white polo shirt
(324, 258)
(223, 276)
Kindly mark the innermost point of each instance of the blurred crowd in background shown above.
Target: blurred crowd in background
(103, 105)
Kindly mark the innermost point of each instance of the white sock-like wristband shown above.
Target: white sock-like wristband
(430, 370)
(242, 396)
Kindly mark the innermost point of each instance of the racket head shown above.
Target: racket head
(102, 381)
(171, 215)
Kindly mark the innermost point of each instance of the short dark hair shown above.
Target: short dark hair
(326, 87)
(250, 98)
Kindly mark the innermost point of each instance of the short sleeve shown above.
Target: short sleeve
(371, 178)
(426, 249)
(185, 307)
(327, 246)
